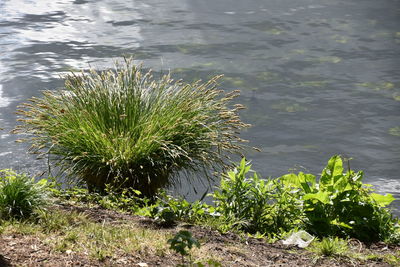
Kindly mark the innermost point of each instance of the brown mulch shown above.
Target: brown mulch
(28, 250)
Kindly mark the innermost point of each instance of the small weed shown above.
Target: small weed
(61, 246)
(99, 254)
(329, 247)
(72, 237)
(182, 243)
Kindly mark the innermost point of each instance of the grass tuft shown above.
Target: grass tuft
(20, 195)
(330, 247)
(125, 128)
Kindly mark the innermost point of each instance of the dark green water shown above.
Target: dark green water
(318, 77)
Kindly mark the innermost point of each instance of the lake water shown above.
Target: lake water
(318, 77)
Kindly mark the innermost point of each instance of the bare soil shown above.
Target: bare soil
(230, 249)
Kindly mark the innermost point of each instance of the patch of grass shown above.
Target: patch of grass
(19, 227)
(60, 221)
(125, 128)
(128, 238)
(391, 258)
(329, 247)
(74, 232)
(20, 195)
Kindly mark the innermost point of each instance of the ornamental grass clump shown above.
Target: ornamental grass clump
(124, 128)
(20, 195)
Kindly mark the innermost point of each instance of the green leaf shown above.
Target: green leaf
(300, 181)
(341, 224)
(42, 182)
(291, 179)
(332, 172)
(320, 196)
(232, 175)
(305, 179)
(342, 184)
(137, 192)
(181, 241)
(382, 200)
(243, 163)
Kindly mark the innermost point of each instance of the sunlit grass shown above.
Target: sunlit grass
(20, 195)
(330, 247)
(125, 128)
(74, 232)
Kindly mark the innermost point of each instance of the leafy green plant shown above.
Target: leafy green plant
(20, 195)
(124, 128)
(340, 204)
(167, 209)
(182, 243)
(257, 205)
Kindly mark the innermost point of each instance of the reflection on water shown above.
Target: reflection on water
(318, 77)
(4, 101)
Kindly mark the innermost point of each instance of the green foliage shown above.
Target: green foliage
(20, 195)
(125, 128)
(257, 205)
(168, 209)
(340, 204)
(183, 242)
(329, 247)
(126, 199)
(337, 204)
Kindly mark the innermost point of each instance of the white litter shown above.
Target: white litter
(301, 239)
